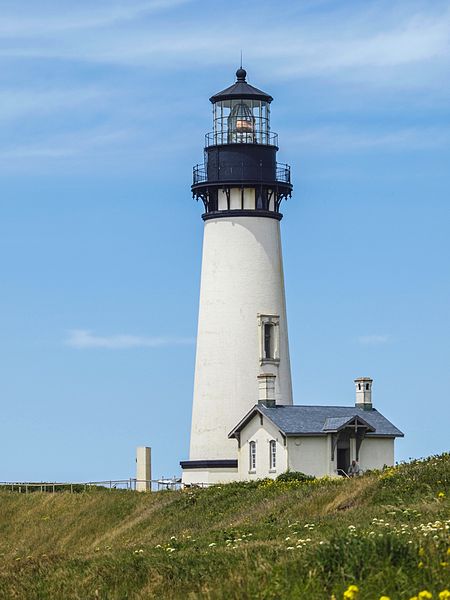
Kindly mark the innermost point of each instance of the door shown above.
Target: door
(343, 459)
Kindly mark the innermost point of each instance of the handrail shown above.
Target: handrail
(342, 472)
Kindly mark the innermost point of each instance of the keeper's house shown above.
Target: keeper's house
(316, 440)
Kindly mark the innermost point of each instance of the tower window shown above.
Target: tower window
(268, 341)
(367, 386)
(273, 454)
(359, 386)
(252, 456)
(269, 326)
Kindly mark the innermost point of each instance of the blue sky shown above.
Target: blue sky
(103, 108)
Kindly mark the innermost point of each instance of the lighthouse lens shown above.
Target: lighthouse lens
(241, 123)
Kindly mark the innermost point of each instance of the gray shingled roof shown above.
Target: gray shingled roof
(311, 420)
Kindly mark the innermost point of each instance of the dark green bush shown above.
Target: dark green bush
(294, 476)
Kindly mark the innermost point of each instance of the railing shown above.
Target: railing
(342, 473)
(266, 138)
(282, 173)
(131, 484)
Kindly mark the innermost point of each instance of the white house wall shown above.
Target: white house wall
(242, 276)
(261, 435)
(376, 452)
(309, 455)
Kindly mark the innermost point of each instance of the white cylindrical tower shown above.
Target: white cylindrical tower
(242, 328)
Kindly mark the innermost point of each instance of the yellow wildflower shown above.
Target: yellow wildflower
(444, 595)
(413, 598)
(441, 495)
(384, 598)
(420, 565)
(425, 595)
(351, 593)
(444, 564)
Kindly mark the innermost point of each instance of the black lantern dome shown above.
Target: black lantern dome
(240, 154)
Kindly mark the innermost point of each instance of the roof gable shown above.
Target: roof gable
(334, 424)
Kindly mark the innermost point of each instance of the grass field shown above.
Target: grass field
(386, 533)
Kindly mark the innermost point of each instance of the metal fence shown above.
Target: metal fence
(132, 485)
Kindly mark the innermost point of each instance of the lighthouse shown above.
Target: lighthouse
(242, 355)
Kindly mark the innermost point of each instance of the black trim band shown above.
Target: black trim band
(209, 464)
(220, 214)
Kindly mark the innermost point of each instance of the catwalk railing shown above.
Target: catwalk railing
(283, 174)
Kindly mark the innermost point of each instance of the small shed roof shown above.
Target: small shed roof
(320, 420)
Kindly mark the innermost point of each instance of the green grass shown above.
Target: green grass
(386, 532)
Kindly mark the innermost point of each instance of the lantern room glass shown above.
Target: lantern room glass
(241, 121)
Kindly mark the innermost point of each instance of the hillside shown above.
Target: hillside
(386, 533)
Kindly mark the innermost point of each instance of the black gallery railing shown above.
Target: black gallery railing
(283, 174)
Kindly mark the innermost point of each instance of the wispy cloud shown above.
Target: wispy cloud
(65, 145)
(85, 339)
(92, 17)
(17, 103)
(374, 339)
(332, 139)
(370, 42)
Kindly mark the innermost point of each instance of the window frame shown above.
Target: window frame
(272, 455)
(274, 322)
(252, 456)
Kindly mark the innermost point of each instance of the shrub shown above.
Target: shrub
(294, 476)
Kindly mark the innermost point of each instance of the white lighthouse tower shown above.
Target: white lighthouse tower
(242, 343)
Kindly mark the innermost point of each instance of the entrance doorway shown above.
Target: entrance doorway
(343, 460)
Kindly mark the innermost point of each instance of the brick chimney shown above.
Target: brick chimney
(266, 385)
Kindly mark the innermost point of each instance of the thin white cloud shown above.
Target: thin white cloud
(65, 145)
(85, 339)
(92, 17)
(371, 45)
(374, 339)
(332, 139)
(17, 103)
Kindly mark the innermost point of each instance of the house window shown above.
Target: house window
(273, 454)
(252, 456)
(269, 326)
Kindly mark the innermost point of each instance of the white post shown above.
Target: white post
(143, 468)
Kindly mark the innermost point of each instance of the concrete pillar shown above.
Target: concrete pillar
(143, 468)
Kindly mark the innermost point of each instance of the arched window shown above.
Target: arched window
(252, 456)
(273, 454)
